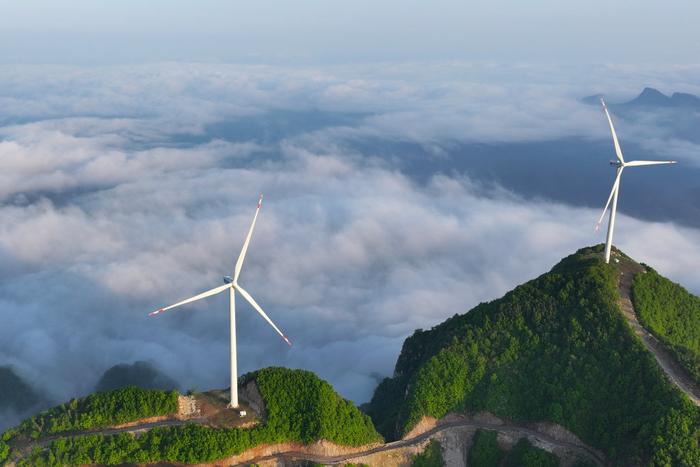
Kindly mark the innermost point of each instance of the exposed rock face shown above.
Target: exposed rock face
(251, 395)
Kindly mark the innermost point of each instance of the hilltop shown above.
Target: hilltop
(558, 349)
(283, 405)
(557, 370)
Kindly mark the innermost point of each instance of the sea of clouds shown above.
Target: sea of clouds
(116, 200)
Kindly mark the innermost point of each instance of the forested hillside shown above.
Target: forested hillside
(300, 407)
(556, 349)
(672, 314)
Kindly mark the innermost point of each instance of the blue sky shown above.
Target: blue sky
(338, 31)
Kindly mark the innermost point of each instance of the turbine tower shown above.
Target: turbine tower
(620, 165)
(231, 284)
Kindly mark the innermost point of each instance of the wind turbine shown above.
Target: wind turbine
(620, 165)
(231, 284)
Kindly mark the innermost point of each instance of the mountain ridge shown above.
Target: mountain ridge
(555, 350)
(652, 98)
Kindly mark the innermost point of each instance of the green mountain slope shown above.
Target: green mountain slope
(672, 314)
(100, 410)
(300, 407)
(555, 349)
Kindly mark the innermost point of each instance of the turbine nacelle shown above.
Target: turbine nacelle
(616, 163)
(228, 280)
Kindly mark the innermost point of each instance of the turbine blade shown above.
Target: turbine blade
(206, 294)
(616, 185)
(255, 305)
(244, 250)
(638, 163)
(618, 150)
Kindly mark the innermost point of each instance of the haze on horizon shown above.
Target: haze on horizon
(348, 31)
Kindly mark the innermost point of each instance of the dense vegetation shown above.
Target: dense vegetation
(15, 394)
(4, 447)
(101, 409)
(672, 314)
(430, 457)
(300, 407)
(484, 450)
(557, 349)
(524, 454)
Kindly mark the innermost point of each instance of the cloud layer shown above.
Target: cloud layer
(107, 212)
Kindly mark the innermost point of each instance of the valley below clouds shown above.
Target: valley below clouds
(126, 189)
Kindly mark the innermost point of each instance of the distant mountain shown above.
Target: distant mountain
(15, 393)
(140, 374)
(592, 100)
(651, 98)
(681, 99)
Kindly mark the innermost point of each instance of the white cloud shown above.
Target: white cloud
(349, 257)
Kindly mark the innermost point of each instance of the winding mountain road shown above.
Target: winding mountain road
(671, 368)
(462, 422)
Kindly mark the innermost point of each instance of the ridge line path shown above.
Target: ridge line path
(462, 422)
(671, 368)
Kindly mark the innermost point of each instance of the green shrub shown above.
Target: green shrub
(430, 457)
(4, 451)
(524, 454)
(484, 451)
(101, 410)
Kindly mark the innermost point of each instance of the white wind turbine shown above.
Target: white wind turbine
(620, 164)
(231, 284)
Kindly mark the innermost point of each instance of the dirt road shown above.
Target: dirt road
(23, 450)
(461, 422)
(673, 370)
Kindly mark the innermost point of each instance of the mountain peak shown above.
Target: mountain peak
(683, 99)
(651, 97)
